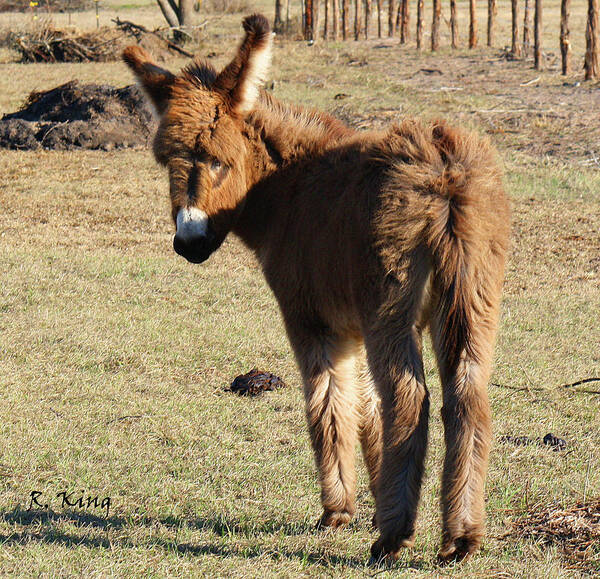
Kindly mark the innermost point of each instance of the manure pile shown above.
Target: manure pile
(79, 116)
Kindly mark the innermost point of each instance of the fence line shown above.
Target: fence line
(398, 12)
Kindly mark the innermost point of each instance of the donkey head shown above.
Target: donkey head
(200, 136)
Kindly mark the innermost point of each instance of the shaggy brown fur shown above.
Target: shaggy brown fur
(365, 239)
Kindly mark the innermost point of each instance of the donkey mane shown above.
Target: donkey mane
(302, 118)
(200, 73)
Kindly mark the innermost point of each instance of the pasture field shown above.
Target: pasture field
(115, 352)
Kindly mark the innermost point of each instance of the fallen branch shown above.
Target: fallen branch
(128, 26)
(530, 82)
(539, 389)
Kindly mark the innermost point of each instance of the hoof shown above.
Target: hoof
(385, 550)
(334, 519)
(458, 549)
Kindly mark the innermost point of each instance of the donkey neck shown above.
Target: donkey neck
(280, 139)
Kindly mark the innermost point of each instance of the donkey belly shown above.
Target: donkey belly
(319, 281)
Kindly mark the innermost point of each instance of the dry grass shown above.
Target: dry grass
(576, 532)
(115, 352)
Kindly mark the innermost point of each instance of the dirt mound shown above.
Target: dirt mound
(74, 116)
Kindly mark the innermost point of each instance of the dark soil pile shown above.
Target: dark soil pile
(74, 116)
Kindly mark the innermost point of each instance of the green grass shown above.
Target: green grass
(115, 354)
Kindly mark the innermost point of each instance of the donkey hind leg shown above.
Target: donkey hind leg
(463, 339)
(398, 372)
(370, 427)
(394, 353)
(332, 405)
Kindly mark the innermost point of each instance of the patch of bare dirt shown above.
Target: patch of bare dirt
(542, 114)
(75, 116)
(575, 531)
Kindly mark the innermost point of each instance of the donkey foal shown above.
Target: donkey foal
(365, 238)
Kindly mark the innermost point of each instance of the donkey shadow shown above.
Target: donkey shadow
(41, 526)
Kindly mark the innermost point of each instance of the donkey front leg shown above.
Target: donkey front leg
(395, 361)
(370, 428)
(332, 412)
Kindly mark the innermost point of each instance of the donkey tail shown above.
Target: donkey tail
(452, 202)
(467, 235)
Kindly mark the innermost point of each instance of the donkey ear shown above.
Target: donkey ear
(240, 80)
(155, 81)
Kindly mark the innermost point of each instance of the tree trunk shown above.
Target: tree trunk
(391, 17)
(325, 22)
(453, 24)
(492, 11)
(170, 13)
(278, 21)
(537, 33)
(357, 19)
(515, 48)
(473, 24)
(367, 17)
(420, 10)
(315, 19)
(379, 7)
(335, 8)
(186, 12)
(565, 33)
(345, 19)
(527, 29)
(435, 24)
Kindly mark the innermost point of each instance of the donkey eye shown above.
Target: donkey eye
(215, 165)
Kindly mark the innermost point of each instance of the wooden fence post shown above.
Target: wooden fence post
(420, 10)
(278, 21)
(435, 24)
(357, 19)
(565, 42)
(592, 58)
(335, 8)
(308, 19)
(537, 33)
(515, 48)
(391, 17)
(473, 24)
(492, 11)
(527, 29)
(453, 24)
(404, 22)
